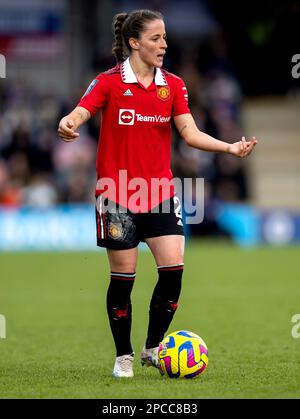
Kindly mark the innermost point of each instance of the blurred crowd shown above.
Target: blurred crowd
(39, 170)
(36, 168)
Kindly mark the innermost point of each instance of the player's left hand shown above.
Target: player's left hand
(242, 148)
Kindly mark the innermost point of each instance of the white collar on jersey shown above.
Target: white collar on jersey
(128, 75)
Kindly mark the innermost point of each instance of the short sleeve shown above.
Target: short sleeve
(180, 103)
(96, 95)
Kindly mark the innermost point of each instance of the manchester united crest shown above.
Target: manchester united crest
(163, 92)
(115, 230)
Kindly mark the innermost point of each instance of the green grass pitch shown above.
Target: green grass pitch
(58, 342)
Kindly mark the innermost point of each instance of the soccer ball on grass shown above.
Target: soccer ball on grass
(182, 354)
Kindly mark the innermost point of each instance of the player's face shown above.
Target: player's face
(152, 43)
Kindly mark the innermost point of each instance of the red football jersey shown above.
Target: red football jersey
(134, 148)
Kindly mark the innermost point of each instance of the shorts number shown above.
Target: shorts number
(177, 207)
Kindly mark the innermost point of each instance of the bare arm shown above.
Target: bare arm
(69, 124)
(198, 139)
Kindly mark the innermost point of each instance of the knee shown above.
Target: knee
(123, 267)
(122, 261)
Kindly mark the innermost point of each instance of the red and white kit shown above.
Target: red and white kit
(135, 133)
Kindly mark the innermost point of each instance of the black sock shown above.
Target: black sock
(163, 303)
(118, 305)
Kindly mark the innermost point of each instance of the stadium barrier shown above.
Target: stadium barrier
(65, 227)
(250, 227)
(72, 227)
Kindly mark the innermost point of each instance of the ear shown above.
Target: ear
(134, 43)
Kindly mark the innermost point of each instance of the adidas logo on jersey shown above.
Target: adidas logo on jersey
(128, 93)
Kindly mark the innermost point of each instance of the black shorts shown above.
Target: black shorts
(119, 229)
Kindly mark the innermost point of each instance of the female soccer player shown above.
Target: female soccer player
(138, 99)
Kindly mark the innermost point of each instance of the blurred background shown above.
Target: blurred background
(237, 62)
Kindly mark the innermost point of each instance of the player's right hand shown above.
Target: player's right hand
(66, 130)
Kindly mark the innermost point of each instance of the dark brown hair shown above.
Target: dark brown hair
(126, 26)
